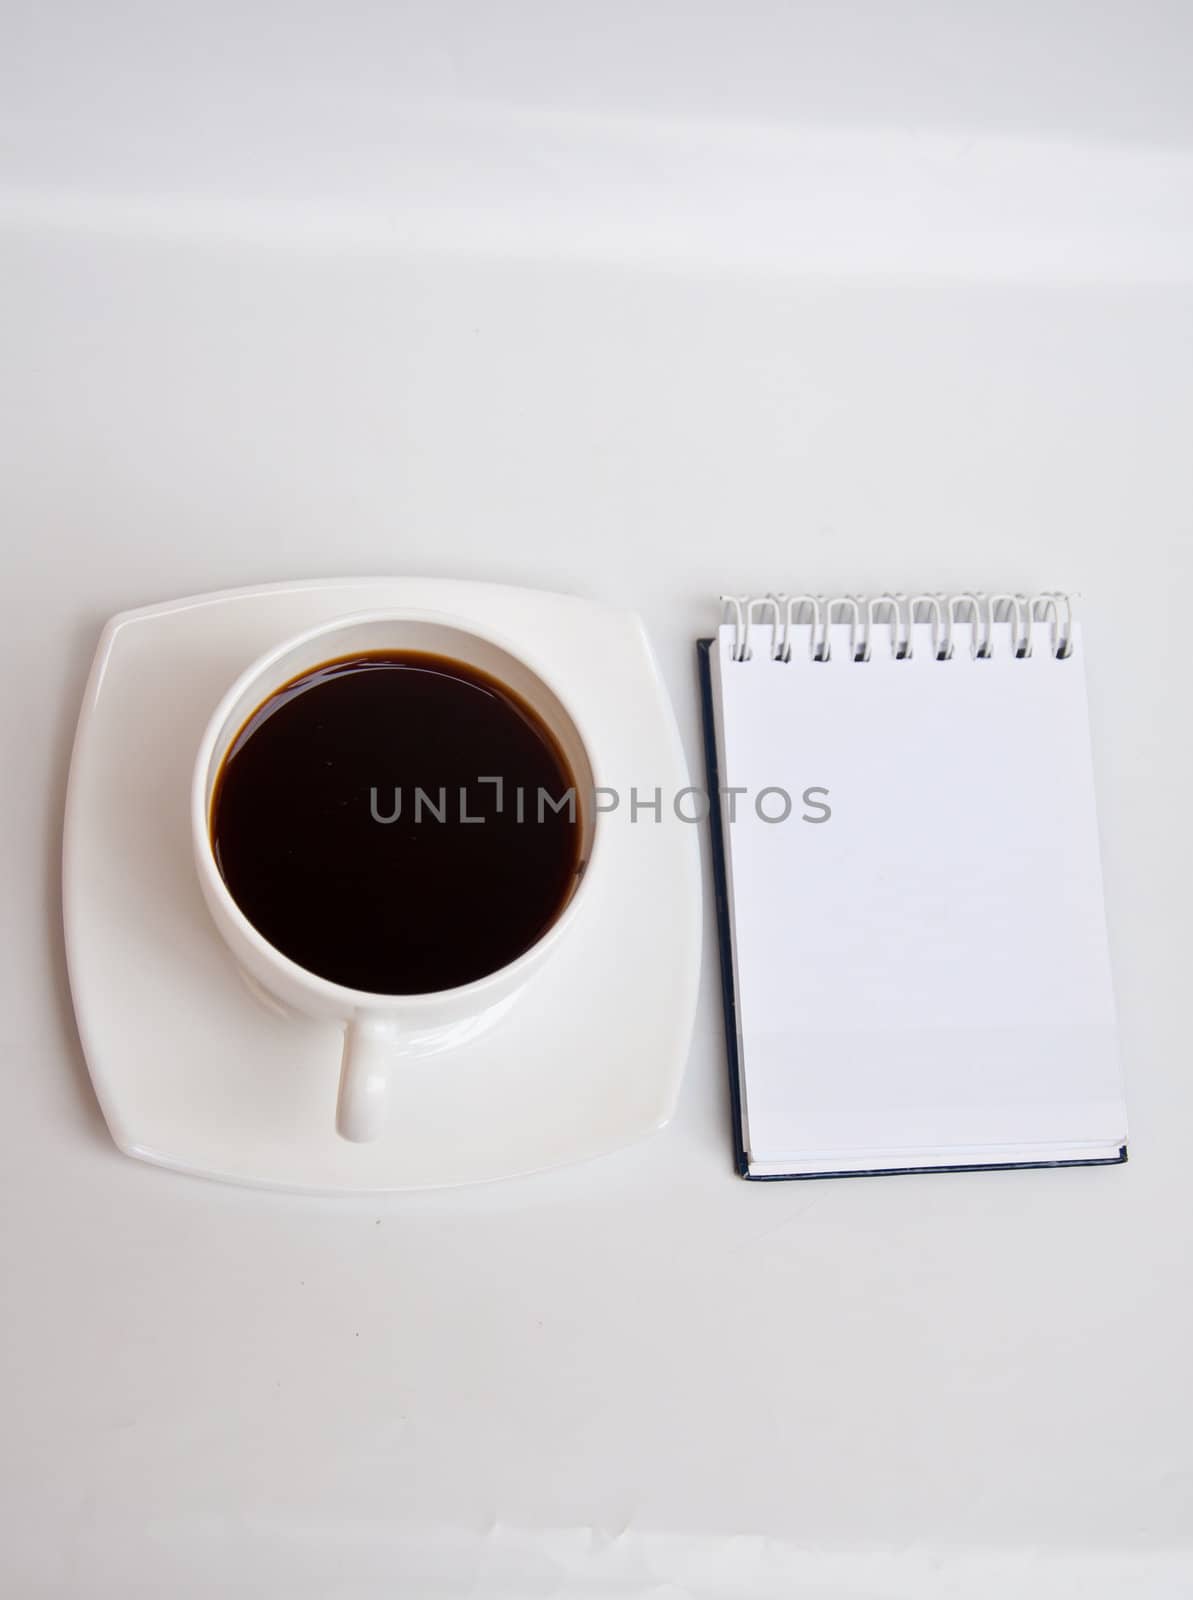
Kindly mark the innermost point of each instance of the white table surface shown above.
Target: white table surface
(817, 300)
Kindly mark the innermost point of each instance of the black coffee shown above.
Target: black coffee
(351, 825)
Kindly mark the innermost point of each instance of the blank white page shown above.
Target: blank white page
(923, 978)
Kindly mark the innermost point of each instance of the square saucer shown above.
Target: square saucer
(194, 1071)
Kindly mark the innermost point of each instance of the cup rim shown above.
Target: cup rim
(354, 1001)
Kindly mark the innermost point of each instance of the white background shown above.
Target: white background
(642, 301)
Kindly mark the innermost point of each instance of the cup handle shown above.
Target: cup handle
(370, 1050)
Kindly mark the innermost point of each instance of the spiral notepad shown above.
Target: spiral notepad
(914, 950)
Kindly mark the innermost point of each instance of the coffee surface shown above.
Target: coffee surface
(351, 825)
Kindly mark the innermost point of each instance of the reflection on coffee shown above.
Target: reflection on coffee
(397, 822)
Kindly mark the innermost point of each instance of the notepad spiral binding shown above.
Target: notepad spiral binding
(943, 612)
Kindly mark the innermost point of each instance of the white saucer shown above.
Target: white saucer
(194, 1072)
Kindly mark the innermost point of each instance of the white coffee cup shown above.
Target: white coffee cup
(380, 1030)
